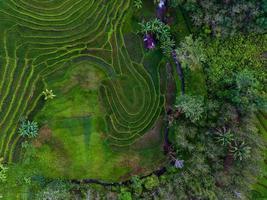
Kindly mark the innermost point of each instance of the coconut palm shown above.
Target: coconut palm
(48, 94)
(240, 150)
(224, 136)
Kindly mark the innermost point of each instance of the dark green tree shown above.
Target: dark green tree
(224, 18)
(191, 106)
(241, 151)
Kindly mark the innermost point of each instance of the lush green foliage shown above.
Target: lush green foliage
(124, 195)
(151, 182)
(190, 53)
(217, 151)
(161, 32)
(223, 18)
(215, 134)
(224, 137)
(175, 3)
(235, 71)
(191, 106)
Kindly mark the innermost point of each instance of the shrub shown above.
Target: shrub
(28, 129)
(137, 185)
(124, 195)
(224, 136)
(151, 182)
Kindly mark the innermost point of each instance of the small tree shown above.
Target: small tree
(124, 195)
(48, 94)
(151, 182)
(191, 106)
(191, 53)
(28, 128)
(137, 185)
(161, 32)
(248, 91)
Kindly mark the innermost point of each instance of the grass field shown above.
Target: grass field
(108, 96)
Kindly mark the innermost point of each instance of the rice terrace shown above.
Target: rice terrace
(133, 99)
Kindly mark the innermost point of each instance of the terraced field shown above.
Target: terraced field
(261, 186)
(37, 38)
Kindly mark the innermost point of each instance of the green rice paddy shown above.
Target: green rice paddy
(108, 96)
(106, 120)
(76, 131)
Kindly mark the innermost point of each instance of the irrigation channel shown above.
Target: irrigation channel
(161, 12)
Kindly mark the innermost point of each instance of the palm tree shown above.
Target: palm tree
(145, 27)
(138, 4)
(48, 94)
(240, 150)
(224, 137)
(28, 129)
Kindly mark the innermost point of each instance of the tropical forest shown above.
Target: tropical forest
(133, 99)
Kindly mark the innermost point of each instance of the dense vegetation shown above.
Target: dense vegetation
(133, 99)
(227, 17)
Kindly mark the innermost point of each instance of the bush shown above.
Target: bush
(28, 129)
(151, 182)
(235, 71)
(224, 18)
(125, 195)
(190, 52)
(137, 185)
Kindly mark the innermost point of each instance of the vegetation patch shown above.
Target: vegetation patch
(133, 99)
